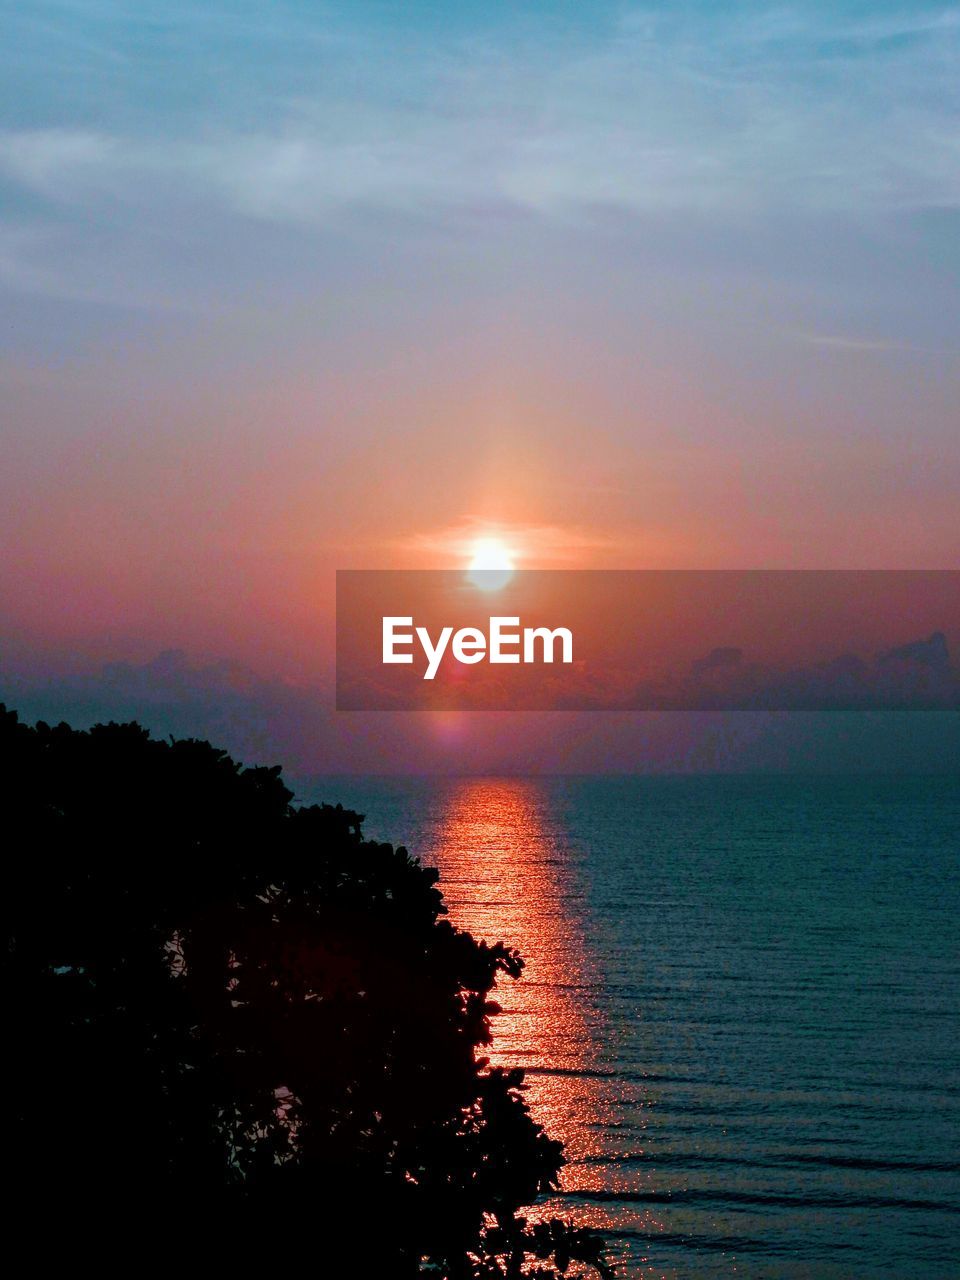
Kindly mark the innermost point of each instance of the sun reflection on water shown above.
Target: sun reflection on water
(505, 881)
(507, 877)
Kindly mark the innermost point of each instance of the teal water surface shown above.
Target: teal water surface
(741, 1008)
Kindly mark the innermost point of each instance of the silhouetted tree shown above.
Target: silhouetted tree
(232, 1014)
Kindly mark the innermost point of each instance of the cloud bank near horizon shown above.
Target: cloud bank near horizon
(266, 721)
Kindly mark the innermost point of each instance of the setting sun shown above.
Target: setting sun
(491, 564)
(490, 553)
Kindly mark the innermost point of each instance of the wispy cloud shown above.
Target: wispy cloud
(534, 546)
(843, 342)
(132, 176)
(717, 111)
(855, 344)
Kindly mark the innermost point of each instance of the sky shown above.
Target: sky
(301, 287)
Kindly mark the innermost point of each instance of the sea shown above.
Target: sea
(740, 1009)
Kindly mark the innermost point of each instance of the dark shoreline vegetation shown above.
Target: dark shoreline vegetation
(235, 1016)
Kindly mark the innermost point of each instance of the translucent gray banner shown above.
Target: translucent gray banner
(647, 640)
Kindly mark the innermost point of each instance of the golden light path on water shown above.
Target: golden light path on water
(505, 878)
(504, 883)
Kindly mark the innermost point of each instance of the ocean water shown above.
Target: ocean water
(741, 1007)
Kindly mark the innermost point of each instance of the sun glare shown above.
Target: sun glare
(491, 564)
(490, 553)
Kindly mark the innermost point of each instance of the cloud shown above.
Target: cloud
(135, 177)
(659, 111)
(255, 717)
(267, 721)
(55, 162)
(842, 342)
(541, 546)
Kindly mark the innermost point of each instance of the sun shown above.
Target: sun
(491, 564)
(490, 554)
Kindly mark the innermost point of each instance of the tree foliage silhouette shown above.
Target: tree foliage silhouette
(237, 1012)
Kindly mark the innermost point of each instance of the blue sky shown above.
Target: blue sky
(137, 139)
